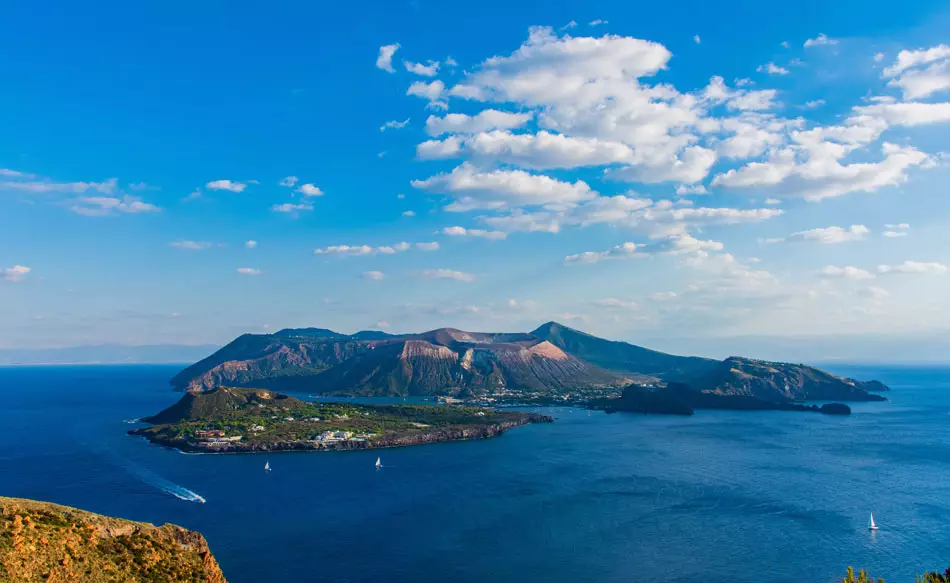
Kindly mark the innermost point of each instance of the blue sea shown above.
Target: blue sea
(731, 497)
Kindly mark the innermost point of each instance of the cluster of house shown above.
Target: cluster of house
(212, 438)
(333, 437)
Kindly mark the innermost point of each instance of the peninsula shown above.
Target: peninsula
(230, 420)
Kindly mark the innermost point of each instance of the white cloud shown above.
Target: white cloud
(382, 324)
(878, 57)
(910, 59)
(431, 91)
(913, 267)
(408, 213)
(821, 40)
(473, 189)
(813, 104)
(352, 250)
(597, 22)
(907, 114)
(310, 190)
(289, 181)
(480, 233)
(250, 244)
(249, 271)
(626, 250)
(228, 185)
(772, 201)
(394, 124)
(100, 206)
(847, 272)
(894, 234)
(15, 273)
(772, 69)
(686, 190)
(374, 275)
(291, 208)
(827, 235)
(450, 62)
(821, 174)
(448, 274)
(385, 59)
(430, 69)
(190, 245)
(696, 39)
(486, 120)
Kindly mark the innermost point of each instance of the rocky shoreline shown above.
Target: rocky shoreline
(415, 438)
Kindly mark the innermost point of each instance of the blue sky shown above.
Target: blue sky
(697, 179)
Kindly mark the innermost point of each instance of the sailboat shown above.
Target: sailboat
(379, 463)
(871, 524)
(266, 466)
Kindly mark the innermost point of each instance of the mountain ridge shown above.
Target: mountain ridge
(551, 360)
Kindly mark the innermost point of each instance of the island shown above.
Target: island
(42, 542)
(681, 399)
(233, 420)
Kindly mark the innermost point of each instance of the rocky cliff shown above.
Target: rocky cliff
(47, 542)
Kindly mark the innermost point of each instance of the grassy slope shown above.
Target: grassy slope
(40, 541)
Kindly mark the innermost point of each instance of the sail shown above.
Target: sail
(267, 466)
(871, 524)
(379, 463)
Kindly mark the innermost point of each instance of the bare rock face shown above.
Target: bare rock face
(553, 359)
(47, 542)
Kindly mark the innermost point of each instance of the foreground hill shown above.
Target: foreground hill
(227, 419)
(552, 360)
(40, 541)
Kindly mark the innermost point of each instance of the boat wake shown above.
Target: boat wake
(152, 479)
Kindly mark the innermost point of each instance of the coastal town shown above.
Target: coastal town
(231, 420)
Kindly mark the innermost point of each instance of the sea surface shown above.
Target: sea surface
(731, 497)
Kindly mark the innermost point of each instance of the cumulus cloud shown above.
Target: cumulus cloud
(394, 125)
(385, 59)
(913, 267)
(431, 91)
(486, 120)
(772, 69)
(15, 273)
(474, 189)
(310, 190)
(480, 233)
(374, 275)
(696, 39)
(249, 271)
(821, 174)
(409, 213)
(448, 274)
(251, 244)
(847, 272)
(430, 69)
(24, 182)
(228, 185)
(432, 246)
(827, 235)
(920, 73)
(289, 181)
(820, 40)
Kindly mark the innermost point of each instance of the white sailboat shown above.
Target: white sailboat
(379, 463)
(266, 466)
(871, 524)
